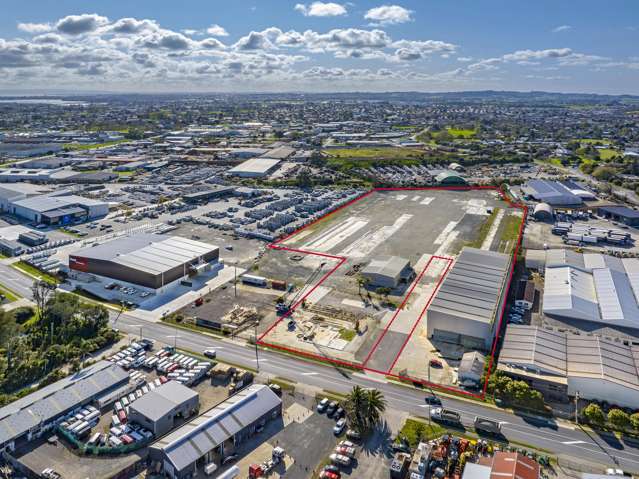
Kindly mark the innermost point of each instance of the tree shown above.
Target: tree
(594, 415)
(383, 291)
(618, 419)
(375, 406)
(364, 408)
(634, 420)
(604, 173)
(42, 292)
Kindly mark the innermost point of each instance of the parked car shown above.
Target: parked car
(353, 435)
(339, 413)
(322, 405)
(332, 407)
(339, 459)
(329, 475)
(436, 363)
(339, 427)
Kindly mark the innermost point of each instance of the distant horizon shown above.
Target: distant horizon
(55, 93)
(157, 46)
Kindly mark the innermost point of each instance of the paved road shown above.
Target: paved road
(558, 438)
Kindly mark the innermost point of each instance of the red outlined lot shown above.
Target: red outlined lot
(277, 245)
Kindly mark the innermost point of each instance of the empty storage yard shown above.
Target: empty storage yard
(360, 280)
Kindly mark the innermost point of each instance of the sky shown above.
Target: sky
(312, 46)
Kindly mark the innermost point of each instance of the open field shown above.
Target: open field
(381, 153)
(335, 316)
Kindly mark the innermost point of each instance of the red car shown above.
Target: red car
(328, 475)
(122, 416)
(436, 363)
(163, 379)
(126, 439)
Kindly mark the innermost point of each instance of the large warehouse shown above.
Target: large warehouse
(204, 440)
(27, 417)
(466, 305)
(560, 364)
(152, 261)
(255, 168)
(592, 287)
(556, 193)
(58, 209)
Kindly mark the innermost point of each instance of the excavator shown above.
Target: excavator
(285, 306)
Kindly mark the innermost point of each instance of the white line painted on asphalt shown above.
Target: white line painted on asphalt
(310, 374)
(572, 443)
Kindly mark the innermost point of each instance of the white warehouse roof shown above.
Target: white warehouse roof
(255, 167)
(592, 287)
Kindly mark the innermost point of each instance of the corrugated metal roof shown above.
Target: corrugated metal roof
(59, 397)
(151, 253)
(255, 166)
(193, 440)
(161, 401)
(473, 286)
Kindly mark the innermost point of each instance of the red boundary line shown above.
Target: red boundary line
(277, 245)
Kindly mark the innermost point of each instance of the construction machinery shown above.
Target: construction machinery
(285, 306)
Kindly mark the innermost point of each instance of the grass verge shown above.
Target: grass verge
(9, 295)
(35, 273)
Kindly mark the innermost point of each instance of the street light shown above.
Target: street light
(136, 326)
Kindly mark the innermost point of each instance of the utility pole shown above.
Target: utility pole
(235, 279)
(429, 424)
(577, 407)
(257, 357)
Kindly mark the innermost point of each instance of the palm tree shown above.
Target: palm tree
(354, 406)
(364, 408)
(375, 406)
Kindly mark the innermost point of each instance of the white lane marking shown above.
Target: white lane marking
(416, 198)
(572, 443)
(310, 374)
(426, 201)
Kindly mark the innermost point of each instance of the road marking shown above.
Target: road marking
(310, 374)
(572, 443)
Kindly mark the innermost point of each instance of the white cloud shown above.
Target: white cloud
(561, 28)
(35, 27)
(321, 9)
(389, 15)
(464, 59)
(527, 55)
(217, 31)
(79, 24)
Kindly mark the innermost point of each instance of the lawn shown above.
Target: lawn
(461, 133)
(346, 164)
(8, 294)
(31, 271)
(417, 430)
(607, 153)
(509, 233)
(382, 153)
(594, 141)
(347, 334)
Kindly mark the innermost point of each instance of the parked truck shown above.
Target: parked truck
(445, 416)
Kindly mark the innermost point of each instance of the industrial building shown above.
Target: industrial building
(543, 212)
(214, 434)
(449, 178)
(471, 369)
(209, 194)
(467, 303)
(556, 193)
(592, 287)
(503, 465)
(561, 364)
(54, 209)
(388, 272)
(255, 168)
(148, 260)
(158, 410)
(27, 417)
(623, 214)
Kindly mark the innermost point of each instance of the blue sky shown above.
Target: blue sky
(281, 45)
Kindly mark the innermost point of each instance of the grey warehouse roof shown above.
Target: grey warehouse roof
(57, 398)
(161, 401)
(570, 355)
(190, 442)
(43, 203)
(391, 266)
(472, 289)
(255, 166)
(148, 252)
(551, 192)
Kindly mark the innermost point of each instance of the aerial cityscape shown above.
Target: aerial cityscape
(319, 240)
